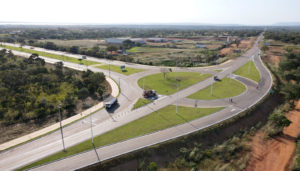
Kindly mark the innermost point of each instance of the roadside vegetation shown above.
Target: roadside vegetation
(32, 92)
(141, 102)
(166, 83)
(296, 161)
(224, 88)
(51, 55)
(181, 46)
(249, 70)
(161, 119)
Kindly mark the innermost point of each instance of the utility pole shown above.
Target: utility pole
(109, 69)
(144, 83)
(249, 67)
(211, 87)
(177, 89)
(119, 81)
(61, 131)
(92, 129)
(177, 98)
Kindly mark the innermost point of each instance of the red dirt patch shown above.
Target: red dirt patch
(275, 154)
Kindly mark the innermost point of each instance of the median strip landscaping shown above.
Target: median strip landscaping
(221, 89)
(165, 83)
(161, 119)
(116, 68)
(249, 70)
(141, 102)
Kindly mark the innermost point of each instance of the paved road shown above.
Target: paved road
(104, 121)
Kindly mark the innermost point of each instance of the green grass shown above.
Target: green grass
(116, 68)
(253, 74)
(144, 49)
(223, 89)
(218, 70)
(141, 102)
(51, 55)
(161, 119)
(167, 85)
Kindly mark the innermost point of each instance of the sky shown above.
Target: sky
(244, 12)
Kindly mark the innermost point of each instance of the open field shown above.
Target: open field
(249, 70)
(168, 85)
(85, 43)
(116, 68)
(51, 55)
(155, 121)
(225, 88)
(141, 102)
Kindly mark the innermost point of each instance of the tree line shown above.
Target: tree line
(31, 90)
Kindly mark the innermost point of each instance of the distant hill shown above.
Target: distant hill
(287, 24)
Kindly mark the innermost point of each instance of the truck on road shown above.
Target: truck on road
(110, 102)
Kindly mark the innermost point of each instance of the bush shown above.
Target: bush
(83, 93)
(152, 166)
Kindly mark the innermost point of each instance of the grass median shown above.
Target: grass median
(167, 85)
(141, 102)
(161, 119)
(116, 68)
(249, 70)
(51, 55)
(222, 89)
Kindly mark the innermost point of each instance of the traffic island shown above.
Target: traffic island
(166, 83)
(222, 89)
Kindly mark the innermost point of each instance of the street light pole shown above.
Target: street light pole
(61, 131)
(211, 89)
(177, 99)
(92, 129)
(144, 83)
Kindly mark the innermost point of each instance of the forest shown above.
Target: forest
(34, 91)
(284, 36)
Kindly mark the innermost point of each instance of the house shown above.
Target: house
(200, 46)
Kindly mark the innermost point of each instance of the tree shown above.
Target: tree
(279, 119)
(83, 93)
(111, 48)
(127, 44)
(152, 166)
(74, 49)
(164, 71)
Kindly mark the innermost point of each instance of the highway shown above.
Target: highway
(130, 92)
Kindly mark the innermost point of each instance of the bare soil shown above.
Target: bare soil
(275, 54)
(277, 153)
(10, 132)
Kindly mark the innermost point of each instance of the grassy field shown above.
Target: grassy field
(168, 85)
(223, 89)
(253, 73)
(116, 68)
(161, 119)
(141, 102)
(51, 55)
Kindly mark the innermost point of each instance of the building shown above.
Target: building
(200, 46)
(156, 40)
(119, 41)
(116, 41)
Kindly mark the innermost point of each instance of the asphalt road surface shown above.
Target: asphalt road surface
(130, 92)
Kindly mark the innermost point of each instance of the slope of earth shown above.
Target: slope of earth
(277, 153)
